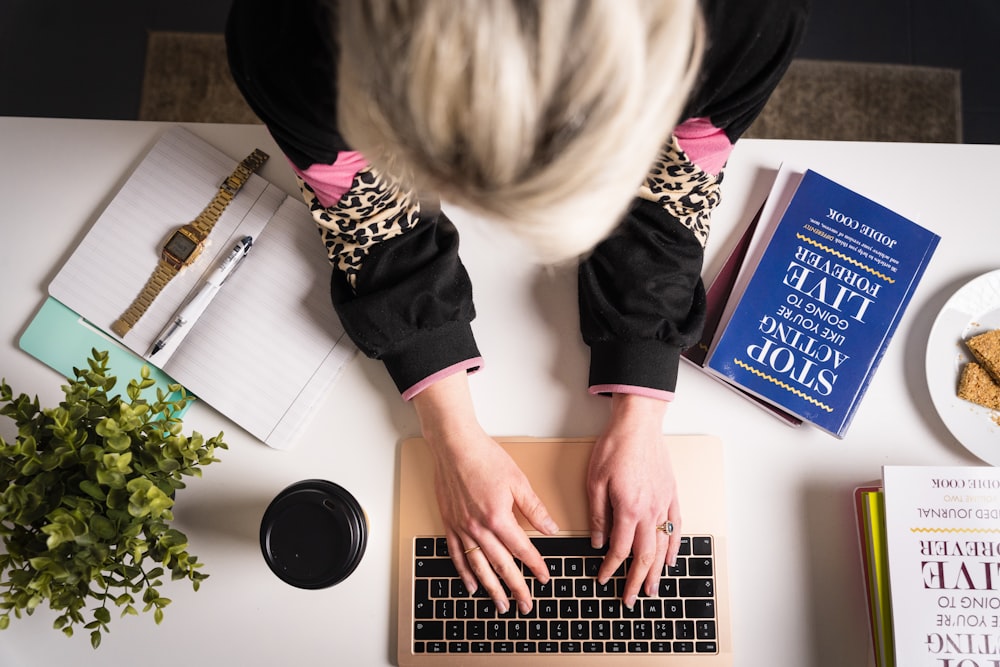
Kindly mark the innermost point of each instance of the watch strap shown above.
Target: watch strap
(162, 275)
(206, 220)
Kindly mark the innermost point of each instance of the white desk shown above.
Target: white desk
(796, 581)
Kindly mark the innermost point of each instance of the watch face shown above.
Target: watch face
(180, 246)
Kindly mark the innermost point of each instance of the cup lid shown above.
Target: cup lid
(313, 534)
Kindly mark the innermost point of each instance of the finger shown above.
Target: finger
(480, 561)
(459, 556)
(656, 573)
(600, 511)
(623, 530)
(534, 510)
(516, 546)
(674, 516)
(644, 553)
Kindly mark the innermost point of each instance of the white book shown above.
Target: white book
(269, 344)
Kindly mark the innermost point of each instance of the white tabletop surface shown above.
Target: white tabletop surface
(795, 573)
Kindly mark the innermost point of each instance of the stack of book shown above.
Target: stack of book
(931, 559)
(806, 304)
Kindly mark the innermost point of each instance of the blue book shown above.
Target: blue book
(818, 299)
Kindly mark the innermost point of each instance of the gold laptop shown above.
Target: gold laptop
(574, 620)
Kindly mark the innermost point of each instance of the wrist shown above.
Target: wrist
(445, 412)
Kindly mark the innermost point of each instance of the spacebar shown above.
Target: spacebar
(566, 546)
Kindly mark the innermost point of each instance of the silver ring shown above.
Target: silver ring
(666, 527)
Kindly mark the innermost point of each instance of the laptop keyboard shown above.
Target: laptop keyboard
(572, 613)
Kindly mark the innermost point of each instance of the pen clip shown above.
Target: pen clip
(245, 244)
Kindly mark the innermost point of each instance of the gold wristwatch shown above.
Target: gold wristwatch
(187, 242)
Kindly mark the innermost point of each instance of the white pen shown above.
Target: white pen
(185, 318)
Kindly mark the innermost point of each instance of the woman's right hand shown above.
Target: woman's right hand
(478, 486)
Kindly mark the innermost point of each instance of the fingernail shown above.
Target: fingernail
(502, 607)
(597, 540)
(630, 602)
(524, 607)
(551, 527)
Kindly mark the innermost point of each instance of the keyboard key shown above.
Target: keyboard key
(423, 547)
(496, 630)
(444, 609)
(706, 647)
(590, 608)
(566, 546)
(485, 609)
(525, 647)
(615, 647)
(570, 647)
(422, 605)
(705, 629)
(454, 630)
(696, 588)
(428, 630)
(700, 567)
(458, 647)
(440, 588)
(503, 647)
(555, 566)
(437, 647)
(579, 630)
(593, 647)
(685, 549)
(569, 609)
(642, 630)
(559, 630)
(548, 647)
(652, 608)
(699, 608)
(638, 647)
(659, 647)
(475, 630)
(548, 608)
(517, 630)
(465, 609)
(600, 630)
(663, 629)
(701, 546)
(481, 647)
(434, 567)
(684, 629)
(441, 547)
(538, 630)
(573, 567)
(683, 647)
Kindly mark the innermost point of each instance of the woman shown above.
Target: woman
(593, 130)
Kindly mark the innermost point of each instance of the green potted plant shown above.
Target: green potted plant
(86, 491)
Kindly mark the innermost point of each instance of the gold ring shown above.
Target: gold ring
(470, 549)
(666, 527)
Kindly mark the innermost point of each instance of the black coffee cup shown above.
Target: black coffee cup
(313, 534)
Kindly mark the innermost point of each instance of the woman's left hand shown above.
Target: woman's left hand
(632, 492)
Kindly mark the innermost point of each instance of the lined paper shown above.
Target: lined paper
(269, 345)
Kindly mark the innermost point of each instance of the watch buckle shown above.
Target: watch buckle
(229, 187)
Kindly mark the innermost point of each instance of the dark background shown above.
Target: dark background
(85, 58)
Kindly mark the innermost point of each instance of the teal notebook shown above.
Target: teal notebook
(63, 340)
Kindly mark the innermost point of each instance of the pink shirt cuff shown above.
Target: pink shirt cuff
(705, 145)
(469, 366)
(658, 394)
(331, 181)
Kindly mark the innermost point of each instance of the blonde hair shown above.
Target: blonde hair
(544, 115)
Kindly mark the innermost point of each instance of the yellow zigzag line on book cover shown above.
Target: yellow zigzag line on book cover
(784, 385)
(955, 530)
(840, 255)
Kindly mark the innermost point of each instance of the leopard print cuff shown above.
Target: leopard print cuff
(682, 189)
(375, 208)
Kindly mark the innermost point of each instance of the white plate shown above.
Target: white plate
(973, 309)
